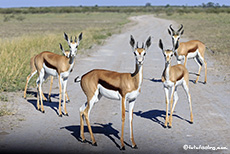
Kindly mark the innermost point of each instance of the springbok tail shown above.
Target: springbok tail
(210, 49)
(77, 79)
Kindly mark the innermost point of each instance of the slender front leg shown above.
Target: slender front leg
(186, 89)
(68, 100)
(185, 61)
(131, 106)
(64, 92)
(123, 101)
(171, 103)
(167, 100)
(205, 66)
(60, 94)
(51, 84)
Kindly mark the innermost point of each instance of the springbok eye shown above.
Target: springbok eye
(69, 46)
(144, 53)
(135, 54)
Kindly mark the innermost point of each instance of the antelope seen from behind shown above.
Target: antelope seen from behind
(172, 77)
(113, 85)
(193, 49)
(51, 64)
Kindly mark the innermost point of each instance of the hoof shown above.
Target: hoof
(191, 122)
(122, 148)
(66, 114)
(164, 126)
(49, 100)
(67, 101)
(134, 147)
(83, 141)
(204, 82)
(43, 111)
(169, 127)
(60, 115)
(94, 144)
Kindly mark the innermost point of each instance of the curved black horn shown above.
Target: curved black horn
(71, 40)
(181, 26)
(137, 45)
(170, 26)
(75, 40)
(142, 45)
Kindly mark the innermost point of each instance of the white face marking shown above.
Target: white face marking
(140, 55)
(73, 49)
(175, 38)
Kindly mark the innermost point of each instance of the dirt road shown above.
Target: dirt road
(32, 131)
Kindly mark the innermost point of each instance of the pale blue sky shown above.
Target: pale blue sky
(38, 3)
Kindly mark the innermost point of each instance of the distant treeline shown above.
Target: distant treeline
(124, 9)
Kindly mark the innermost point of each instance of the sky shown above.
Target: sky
(47, 3)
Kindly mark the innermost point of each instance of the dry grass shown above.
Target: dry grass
(20, 40)
(212, 29)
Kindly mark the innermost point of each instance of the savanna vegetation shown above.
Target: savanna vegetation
(25, 32)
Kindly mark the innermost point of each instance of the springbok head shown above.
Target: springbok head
(140, 52)
(73, 45)
(168, 54)
(175, 34)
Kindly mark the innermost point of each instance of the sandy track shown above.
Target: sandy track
(33, 131)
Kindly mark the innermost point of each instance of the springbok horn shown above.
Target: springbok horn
(170, 26)
(137, 45)
(75, 40)
(142, 45)
(180, 28)
(71, 40)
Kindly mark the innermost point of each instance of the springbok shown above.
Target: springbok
(192, 49)
(49, 63)
(113, 85)
(33, 71)
(172, 77)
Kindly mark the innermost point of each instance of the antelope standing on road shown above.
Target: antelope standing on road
(48, 63)
(33, 71)
(192, 49)
(172, 77)
(113, 85)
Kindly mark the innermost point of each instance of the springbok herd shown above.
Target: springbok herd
(119, 86)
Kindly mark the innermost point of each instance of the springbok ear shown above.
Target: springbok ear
(132, 41)
(182, 32)
(169, 31)
(80, 37)
(148, 42)
(66, 37)
(161, 45)
(63, 51)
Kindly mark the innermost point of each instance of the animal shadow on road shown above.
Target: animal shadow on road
(155, 114)
(105, 129)
(52, 105)
(155, 80)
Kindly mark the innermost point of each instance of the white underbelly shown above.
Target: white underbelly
(111, 94)
(170, 83)
(50, 71)
(192, 54)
